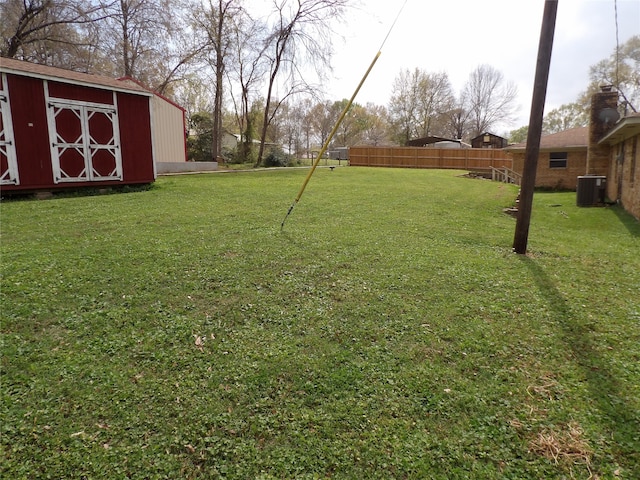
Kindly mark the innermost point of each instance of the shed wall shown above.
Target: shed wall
(79, 92)
(33, 145)
(28, 111)
(135, 137)
(169, 139)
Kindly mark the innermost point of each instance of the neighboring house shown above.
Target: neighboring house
(488, 140)
(230, 140)
(169, 127)
(62, 129)
(608, 147)
(562, 158)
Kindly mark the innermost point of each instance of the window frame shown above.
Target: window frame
(558, 160)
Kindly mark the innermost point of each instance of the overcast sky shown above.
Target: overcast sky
(456, 36)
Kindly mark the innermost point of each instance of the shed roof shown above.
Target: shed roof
(420, 142)
(131, 80)
(627, 127)
(45, 72)
(487, 133)
(572, 139)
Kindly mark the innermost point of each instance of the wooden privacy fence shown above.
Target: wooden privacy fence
(426, 157)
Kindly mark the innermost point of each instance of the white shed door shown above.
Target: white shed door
(85, 141)
(8, 160)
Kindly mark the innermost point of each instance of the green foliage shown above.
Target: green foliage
(244, 153)
(387, 332)
(277, 158)
(200, 141)
(519, 135)
(622, 70)
(565, 117)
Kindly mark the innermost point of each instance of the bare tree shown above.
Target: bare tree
(419, 104)
(182, 51)
(246, 69)
(321, 120)
(436, 101)
(294, 131)
(375, 125)
(622, 70)
(194, 95)
(300, 35)
(351, 131)
(458, 121)
(135, 37)
(489, 100)
(304, 111)
(403, 106)
(216, 19)
(54, 32)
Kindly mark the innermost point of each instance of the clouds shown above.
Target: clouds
(458, 35)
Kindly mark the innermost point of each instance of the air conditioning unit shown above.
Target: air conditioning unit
(591, 190)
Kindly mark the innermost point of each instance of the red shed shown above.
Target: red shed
(62, 129)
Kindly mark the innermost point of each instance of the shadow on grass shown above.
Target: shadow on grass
(604, 388)
(627, 220)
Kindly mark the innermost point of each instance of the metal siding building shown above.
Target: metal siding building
(169, 127)
(63, 129)
(170, 140)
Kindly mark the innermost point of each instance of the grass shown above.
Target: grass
(387, 332)
(298, 162)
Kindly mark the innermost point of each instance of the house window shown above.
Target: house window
(558, 160)
(85, 140)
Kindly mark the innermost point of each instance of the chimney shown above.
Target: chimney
(604, 115)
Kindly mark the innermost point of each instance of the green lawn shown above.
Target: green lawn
(387, 332)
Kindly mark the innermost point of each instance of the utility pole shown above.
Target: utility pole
(535, 127)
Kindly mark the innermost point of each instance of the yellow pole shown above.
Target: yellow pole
(342, 115)
(329, 138)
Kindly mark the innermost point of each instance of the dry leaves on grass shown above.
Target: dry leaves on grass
(549, 389)
(199, 341)
(566, 445)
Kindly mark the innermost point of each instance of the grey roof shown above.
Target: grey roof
(626, 127)
(574, 138)
(19, 67)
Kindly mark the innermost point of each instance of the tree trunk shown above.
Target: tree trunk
(265, 125)
(217, 101)
(126, 60)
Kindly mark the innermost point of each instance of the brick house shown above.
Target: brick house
(562, 158)
(607, 147)
(623, 143)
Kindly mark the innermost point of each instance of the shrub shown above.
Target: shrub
(277, 158)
